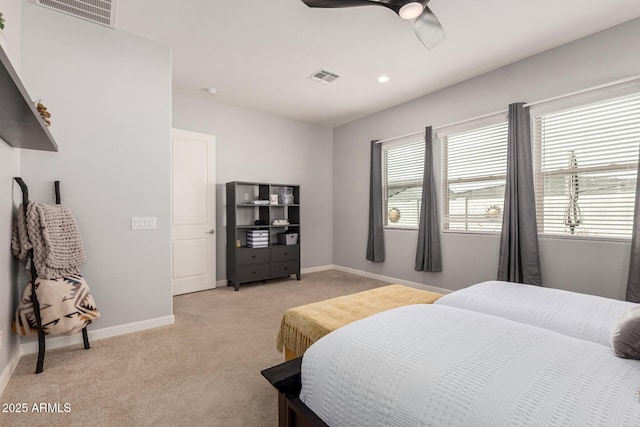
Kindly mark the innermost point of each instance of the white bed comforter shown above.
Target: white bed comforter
(432, 365)
(577, 315)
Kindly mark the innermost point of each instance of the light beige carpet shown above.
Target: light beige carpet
(202, 371)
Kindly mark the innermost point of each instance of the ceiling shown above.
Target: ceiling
(259, 53)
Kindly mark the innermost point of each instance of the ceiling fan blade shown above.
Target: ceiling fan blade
(428, 29)
(339, 3)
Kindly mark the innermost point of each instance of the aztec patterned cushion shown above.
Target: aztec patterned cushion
(66, 306)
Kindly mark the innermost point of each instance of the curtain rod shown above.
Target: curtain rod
(542, 101)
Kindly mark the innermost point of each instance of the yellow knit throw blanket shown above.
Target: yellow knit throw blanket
(304, 325)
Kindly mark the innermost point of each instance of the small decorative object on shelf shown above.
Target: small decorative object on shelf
(2, 44)
(260, 202)
(287, 196)
(43, 112)
(21, 125)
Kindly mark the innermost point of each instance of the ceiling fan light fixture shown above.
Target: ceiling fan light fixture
(425, 23)
(411, 10)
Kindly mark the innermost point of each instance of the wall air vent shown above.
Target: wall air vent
(323, 76)
(101, 12)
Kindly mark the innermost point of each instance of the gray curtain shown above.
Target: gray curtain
(519, 260)
(428, 255)
(633, 281)
(375, 243)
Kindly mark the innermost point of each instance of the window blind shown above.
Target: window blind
(586, 162)
(474, 173)
(402, 173)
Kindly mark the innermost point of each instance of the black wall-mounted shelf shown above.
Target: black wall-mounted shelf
(21, 125)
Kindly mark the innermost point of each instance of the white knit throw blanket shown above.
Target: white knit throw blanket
(54, 236)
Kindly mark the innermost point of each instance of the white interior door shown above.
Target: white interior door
(193, 212)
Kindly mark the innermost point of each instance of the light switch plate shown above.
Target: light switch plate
(143, 223)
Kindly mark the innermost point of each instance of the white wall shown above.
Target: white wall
(9, 167)
(591, 267)
(12, 14)
(258, 147)
(109, 93)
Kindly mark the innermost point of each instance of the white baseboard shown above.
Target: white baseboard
(392, 280)
(318, 268)
(7, 372)
(98, 334)
(222, 283)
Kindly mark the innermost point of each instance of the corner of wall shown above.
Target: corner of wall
(7, 372)
(10, 351)
(9, 343)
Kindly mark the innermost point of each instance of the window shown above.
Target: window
(474, 174)
(402, 172)
(586, 162)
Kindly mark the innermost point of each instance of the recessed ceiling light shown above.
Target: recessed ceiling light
(211, 90)
(383, 79)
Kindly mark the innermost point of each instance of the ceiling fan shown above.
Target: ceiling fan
(426, 25)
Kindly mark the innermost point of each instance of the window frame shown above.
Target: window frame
(396, 143)
(568, 103)
(456, 129)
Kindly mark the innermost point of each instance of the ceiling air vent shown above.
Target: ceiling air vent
(323, 76)
(98, 11)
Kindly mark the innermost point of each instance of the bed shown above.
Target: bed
(443, 365)
(409, 367)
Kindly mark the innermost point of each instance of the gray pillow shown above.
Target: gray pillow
(625, 337)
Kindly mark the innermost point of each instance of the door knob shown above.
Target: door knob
(212, 231)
